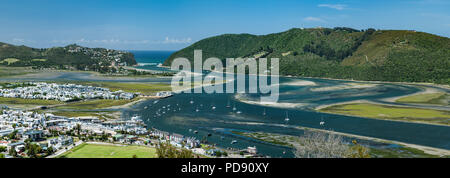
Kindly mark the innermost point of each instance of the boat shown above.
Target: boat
(234, 141)
(146, 107)
(197, 110)
(196, 132)
(228, 104)
(213, 108)
(239, 112)
(192, 101)
(234, 108)
(264, 113)
(222, 137)
(287, 117)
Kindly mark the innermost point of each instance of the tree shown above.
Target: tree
(3, 149)
(165, 150)
(13, 152)
(321, 145)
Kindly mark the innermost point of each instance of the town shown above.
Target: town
(25, 134)
(61, 92)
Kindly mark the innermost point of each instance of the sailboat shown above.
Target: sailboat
(228, 104)
(287, 117)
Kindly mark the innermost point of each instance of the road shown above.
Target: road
(62, 151)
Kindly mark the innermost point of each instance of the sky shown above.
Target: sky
(175, 24)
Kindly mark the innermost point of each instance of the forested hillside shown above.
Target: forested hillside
(71, 56)
(343, 53)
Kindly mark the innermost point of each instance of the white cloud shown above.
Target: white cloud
(18, 40)
(177, 41)
(334, 6)
(167, 40)
(313, 19)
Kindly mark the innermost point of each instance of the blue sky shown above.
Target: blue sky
(174, 24)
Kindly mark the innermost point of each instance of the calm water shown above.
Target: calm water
(151, 59)
(178, 115)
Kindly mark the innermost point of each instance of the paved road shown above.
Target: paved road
(62, 151)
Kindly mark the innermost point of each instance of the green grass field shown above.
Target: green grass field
(20, 101)
(105, 115)
(110, 151)
(14, 71)
(391, 113)
(96, 104)
(143, 88)
(429, 98)
(9, 61)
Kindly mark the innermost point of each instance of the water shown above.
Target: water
(221, 121)
(249, 117)
(150, 59)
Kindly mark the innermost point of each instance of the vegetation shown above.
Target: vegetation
(14, 71)
(21, 101)
(143, 88)
(323, 145)
(71, 56)
(403, 152)
(95, 104)
(344, 53)
(166, 150)
(110, 151)
(104, 115)
(391, 113)
(428, 98)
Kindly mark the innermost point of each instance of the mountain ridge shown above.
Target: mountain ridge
(341, 53)
(70, 56)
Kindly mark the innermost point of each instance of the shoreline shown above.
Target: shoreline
(426, 149)
(375, 103)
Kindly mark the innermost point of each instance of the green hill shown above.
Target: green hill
(71, 56)
(343, 53)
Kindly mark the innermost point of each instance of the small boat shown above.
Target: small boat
(196, 132)
(213, 108)
(197, 110)
(146, 107)
(322, 123)
(264, 113)
(228, 104)
(234, 141)
(190, 130)
(192, 101)
(234, 108)
(287, 117)
(239, 112)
